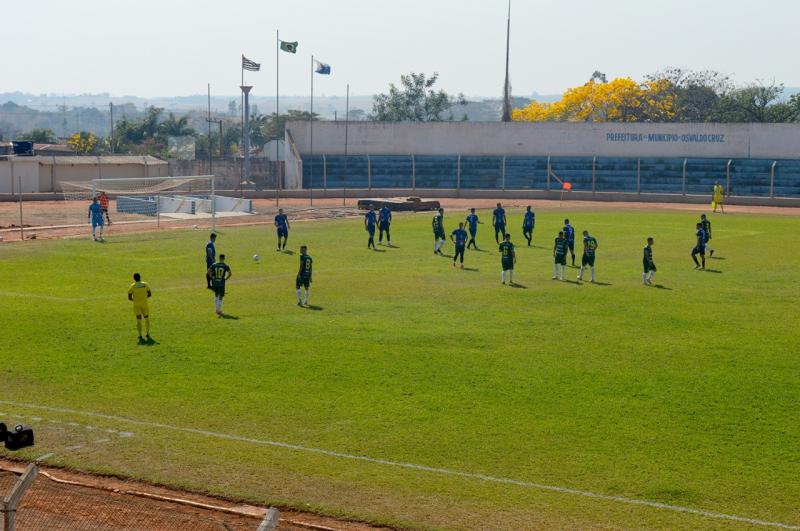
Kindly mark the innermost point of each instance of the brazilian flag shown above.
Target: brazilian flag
(290, 47)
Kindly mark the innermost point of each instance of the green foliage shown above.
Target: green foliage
(686, 395)
(40, 136)
(416, 100)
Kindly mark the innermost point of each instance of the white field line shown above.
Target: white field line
(411, 466)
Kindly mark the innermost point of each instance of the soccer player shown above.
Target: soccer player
(304, 276)
(699, 247)
(560, 256)
(104, 206)
(384, 222)
(508, 257)
(138, 293)
(718, 197)
(438, 232)
(96, 219)
(370, 220)
(499, 222)
(527, 224)
(220, 273)
(211, 257)
(589, 248)
(707, 228)
(649, 265)
(459, 238)
(472, 222)
(282, 224)
(569, 235)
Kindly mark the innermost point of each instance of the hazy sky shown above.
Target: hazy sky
(174, 47)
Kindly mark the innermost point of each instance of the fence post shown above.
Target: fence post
(458, 176)
(771, 180)
(683, 178)
(504, 173)
(548, 174)
(369, 174)
(9, 504)
(639, 176)
(21, 224)
(728, 178)
(594, 171)
(324, 172)
(413, 174)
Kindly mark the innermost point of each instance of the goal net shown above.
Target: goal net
(191, 199)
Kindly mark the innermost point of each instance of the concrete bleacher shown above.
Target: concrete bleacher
(748, 177)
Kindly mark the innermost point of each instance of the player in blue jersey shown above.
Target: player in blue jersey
(528, 223)
(384, 222)
(282, 225)
(370, 222)
(569, 235)
(499, 222)
(96, 219)
(472, 223)
(699, 247)
(459, 238)
(211, 257)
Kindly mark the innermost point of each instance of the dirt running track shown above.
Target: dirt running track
(60, 219)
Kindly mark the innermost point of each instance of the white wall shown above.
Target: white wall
(554, 139)
(18, 169)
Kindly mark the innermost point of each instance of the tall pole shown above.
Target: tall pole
(241, 167)
(277, 165)
(346, 123)
(246, 166)
(507, 86)
(311, 136)
(210, 153)
(111, 112)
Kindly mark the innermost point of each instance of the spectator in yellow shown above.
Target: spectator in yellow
(718, 198)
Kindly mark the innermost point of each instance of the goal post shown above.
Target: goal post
(159, 198)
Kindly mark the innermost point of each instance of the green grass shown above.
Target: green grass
(688, 395)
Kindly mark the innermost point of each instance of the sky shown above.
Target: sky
(152, 48)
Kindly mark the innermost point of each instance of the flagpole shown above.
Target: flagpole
(277, 115)
(346, 123)
(241, 166)
(311, 134)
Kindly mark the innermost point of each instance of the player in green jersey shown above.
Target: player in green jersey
(707, 229)
(589, 250)
(438, 232)
(560, 256)
(220, 273)
(508, 257)
(304, 276)
(649, 265)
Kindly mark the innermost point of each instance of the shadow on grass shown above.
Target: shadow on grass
(601, 283)
(712, 270)
(717, 257)
(313, 308)
(471, 269)
(661, 286)
(289, 252)
(229, 316)
(517, 285)
(378, 250)
(148, 342)
(568, 281)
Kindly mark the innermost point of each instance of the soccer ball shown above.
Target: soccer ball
(256, 258)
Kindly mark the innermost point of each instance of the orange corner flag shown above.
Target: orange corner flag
(567, 186)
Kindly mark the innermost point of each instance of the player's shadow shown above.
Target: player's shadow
(390, 246)
(602, 283)
(289, 252)
(229, 316)
(471, 269)
(479, 250)
(450, 256)
(517, 285)
(568, 281)
(661, 286)
(148, 342)
(712, 271)
(379, 250)
(313, 308)
(717, 257)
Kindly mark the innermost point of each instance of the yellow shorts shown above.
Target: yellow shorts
(141, 309)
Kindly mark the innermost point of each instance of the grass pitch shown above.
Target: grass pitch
(687, 395)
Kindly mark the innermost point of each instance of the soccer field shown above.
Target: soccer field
(418, 395)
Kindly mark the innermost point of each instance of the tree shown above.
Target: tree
(619, 100)
(82, 143)
(414, 101)
(40, 136)
(173, 126)
(757, 102)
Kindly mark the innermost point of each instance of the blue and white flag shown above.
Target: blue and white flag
(322, 68)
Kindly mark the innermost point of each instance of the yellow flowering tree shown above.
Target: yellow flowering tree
(619, 100)
(82, 143)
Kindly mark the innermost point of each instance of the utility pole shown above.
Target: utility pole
(111, 112)
(507, 85)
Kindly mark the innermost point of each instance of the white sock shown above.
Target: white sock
(510, 276)
(652, 274)
(307, 291)
(441, 244)
(644, 277)
(503, 275)
(592, 270)
(299, 295)
(563, 270)
(218, 304)
(580, 275)
(435, 245)
(555, 270)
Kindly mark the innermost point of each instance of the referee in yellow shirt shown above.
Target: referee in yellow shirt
(139, 292)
